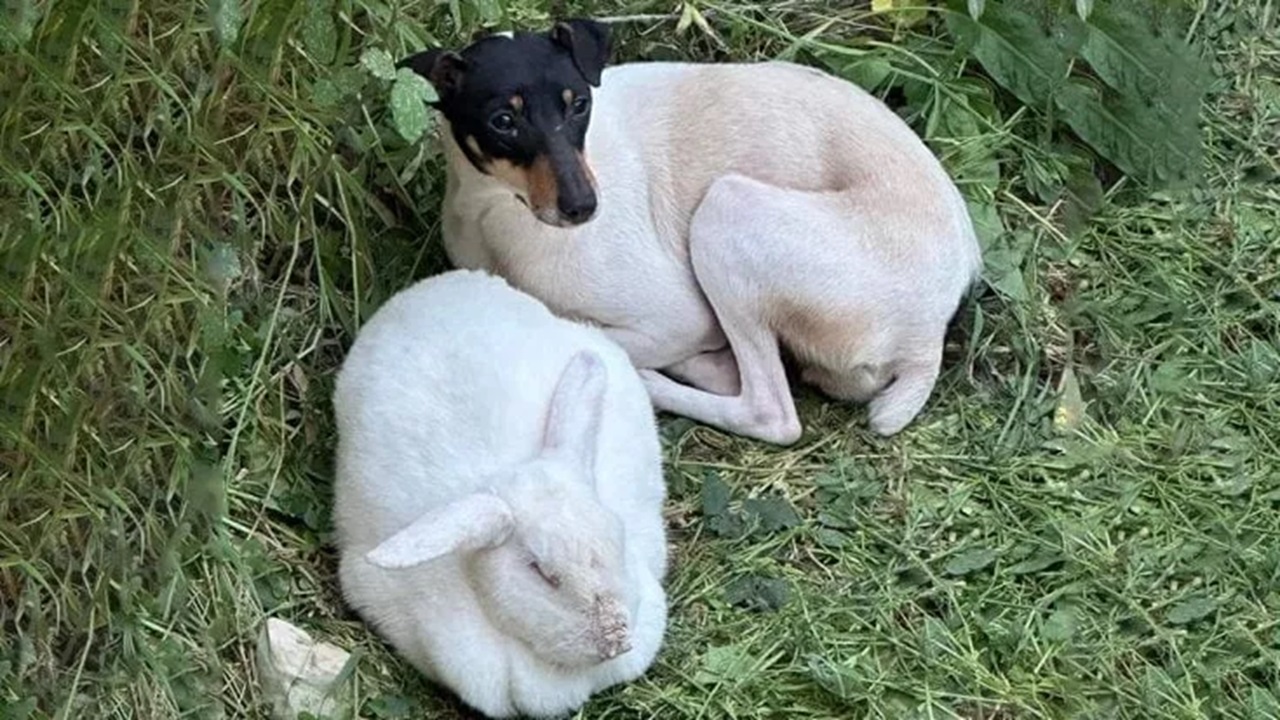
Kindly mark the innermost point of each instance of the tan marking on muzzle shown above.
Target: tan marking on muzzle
(537, 184)
(544, 191)
(511, 174)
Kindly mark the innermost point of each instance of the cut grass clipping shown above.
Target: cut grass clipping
(203, 202)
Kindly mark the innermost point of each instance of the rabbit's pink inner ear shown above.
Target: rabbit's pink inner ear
(573, 422)
(474, 522)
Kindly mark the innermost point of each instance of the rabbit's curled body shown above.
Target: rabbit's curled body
(447, 388)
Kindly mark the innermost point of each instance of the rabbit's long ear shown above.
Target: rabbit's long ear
(573, 425)
(471, 523)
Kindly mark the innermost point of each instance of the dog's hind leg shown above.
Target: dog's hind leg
(905, 396)
(897, 391)
(811, 270)
(739, 256)
(762, 409)
(715, 371)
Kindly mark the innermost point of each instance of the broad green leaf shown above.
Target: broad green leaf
(761, 594)
(1153, 145)
(673, 430)
(1042, 171)
(970, 561)
(986, 224)
(715, 495)
(719, 518)
(379, 63)
(772, 514)
(835, 520)
(425, 90)
(1014, 48)
(325, 93)
(831, 538)
(1083, 197)
(919, 94)
(409, 95)
(970, 153)
(490, 11)
(391, 707)
(843, 679)
(349, 80)
(227, 18)
(730, 526)
(1123, 54)
(1003, 270)
(1269, 92)
(20, 24)
(20, 710)
(1260, 361)
(1131, 59)
(1263, 703)
(1188, 611)
(1159, 85)
(1034, 564)
(725, 662)
(867, 73)
(1157, 687)
(1060, 626)
(1169, 378)
(319, 34)
(221, 266)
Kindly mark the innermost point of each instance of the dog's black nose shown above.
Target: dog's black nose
(578, 210)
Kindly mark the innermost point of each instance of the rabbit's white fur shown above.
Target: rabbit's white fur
(498, 497)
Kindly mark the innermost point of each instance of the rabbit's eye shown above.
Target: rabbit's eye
(550, 579)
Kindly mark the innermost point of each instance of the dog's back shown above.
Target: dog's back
(788, 126)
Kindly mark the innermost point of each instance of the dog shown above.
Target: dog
(707, 217)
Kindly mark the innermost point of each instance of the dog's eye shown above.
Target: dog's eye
(550, 579)
(580, 106)
(504, 122)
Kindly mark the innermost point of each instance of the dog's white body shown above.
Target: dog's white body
(741, 205)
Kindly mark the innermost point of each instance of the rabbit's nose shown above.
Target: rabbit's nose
(610, 621)
(613, 640)
(609, 651)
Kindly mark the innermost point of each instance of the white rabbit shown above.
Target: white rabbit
(498, 497)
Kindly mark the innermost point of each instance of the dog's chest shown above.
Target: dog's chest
(622, 270)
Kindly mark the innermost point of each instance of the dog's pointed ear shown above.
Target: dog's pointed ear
(444, 69)
(588, 43)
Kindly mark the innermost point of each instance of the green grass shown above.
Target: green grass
(198, 214)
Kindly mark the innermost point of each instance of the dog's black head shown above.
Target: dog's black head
(519, 107)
